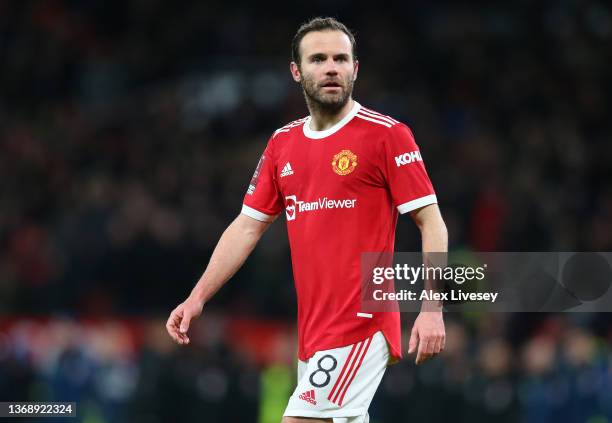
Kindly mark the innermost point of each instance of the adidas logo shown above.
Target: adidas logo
(309, 396)
(286, 170)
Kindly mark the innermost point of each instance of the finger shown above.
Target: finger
(172, 326)
(170, 322)
(422, 355)
(175, 317)
(181, 339)
(174, 335)
(432, 345)
(442, 342)
(185, 323)
(437, 345)
(414, 340)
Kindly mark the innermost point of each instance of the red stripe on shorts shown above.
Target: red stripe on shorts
(369, 341)
(350, 371)
(348, 359)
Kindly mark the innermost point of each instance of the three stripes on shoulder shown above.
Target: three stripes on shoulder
(290, 125)
(376, 117)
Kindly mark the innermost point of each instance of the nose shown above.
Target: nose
(331, 68)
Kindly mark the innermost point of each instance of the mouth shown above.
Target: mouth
(331, 85)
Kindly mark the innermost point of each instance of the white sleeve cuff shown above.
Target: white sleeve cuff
(417, 204)
(256, 214)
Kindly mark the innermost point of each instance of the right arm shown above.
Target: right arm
(233, 248)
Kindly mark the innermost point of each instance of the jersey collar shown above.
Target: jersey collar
(309, 133)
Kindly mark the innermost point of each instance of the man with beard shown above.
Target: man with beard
(342, 175)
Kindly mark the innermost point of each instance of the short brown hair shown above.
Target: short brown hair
(320, 24)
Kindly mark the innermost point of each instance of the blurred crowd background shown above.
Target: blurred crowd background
(128, 135)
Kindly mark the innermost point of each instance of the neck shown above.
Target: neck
(323, 119)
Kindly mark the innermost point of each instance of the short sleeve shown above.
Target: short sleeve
(404, 171)
(262, 200)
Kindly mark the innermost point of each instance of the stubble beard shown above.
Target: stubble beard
(321, 102)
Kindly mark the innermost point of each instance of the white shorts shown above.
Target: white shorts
(340, 383)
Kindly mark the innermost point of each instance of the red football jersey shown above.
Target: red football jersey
(341, 190)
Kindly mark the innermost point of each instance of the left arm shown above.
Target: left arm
(428, 332)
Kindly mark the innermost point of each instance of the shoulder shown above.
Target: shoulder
(383, 125)
(283, 133)
(275, 142)
(288, 127)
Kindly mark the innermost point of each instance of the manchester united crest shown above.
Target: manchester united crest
(344, 162)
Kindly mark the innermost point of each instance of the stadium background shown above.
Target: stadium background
(129, 132)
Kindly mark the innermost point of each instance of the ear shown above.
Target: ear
(355, 70)
(295, 71)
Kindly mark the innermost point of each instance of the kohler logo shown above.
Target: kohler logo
(403, 159)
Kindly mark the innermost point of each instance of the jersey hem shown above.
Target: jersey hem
(256, 214)
(355, 412)
(394, 354)
(417, 204)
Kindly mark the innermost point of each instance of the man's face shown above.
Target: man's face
(327, 71)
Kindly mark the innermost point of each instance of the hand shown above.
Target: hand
(180, 318)
(428, 334)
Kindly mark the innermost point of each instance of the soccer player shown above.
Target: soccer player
(341, 175)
